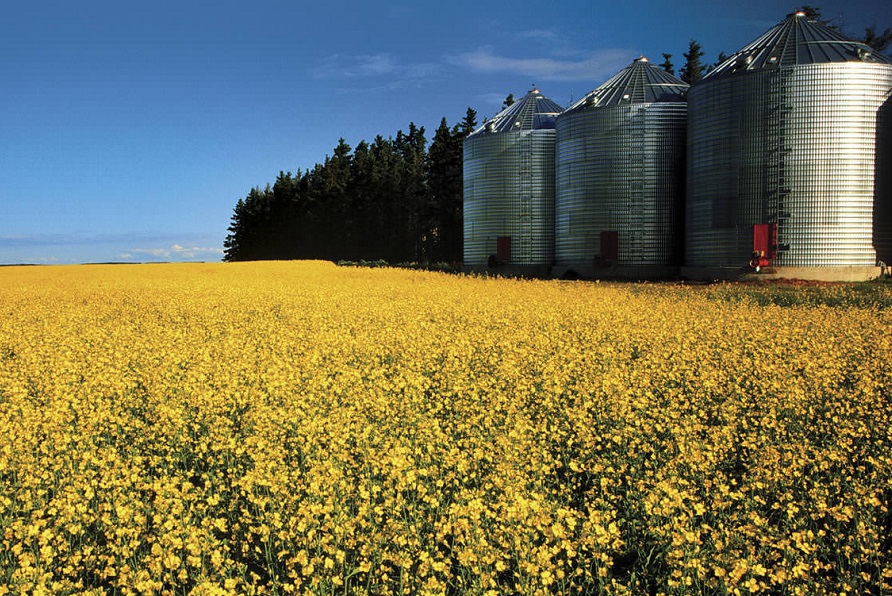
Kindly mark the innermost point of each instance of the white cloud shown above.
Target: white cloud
(175, 252)
(490, 98)
(549, 35)
(371, 65)
(48, 260)
(558, 65)
(37, 239)
(105, 247)
(595, 66)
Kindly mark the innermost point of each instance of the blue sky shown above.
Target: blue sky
(128, 130)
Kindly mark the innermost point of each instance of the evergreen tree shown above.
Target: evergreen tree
(333, 189)
(721, 58)
(443, 237)
(389, 199)
(409, 212)
(667, 64)
(247, 239)
(384, 185)
(877, 41)
(294, 216)
(362, 195)
(692, 71)
(232, 244)
(469, 123)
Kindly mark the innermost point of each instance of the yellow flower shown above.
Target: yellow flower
(234, 426)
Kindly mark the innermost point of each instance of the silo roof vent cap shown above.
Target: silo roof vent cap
(640, 82)
(796, 41)
(532, 112)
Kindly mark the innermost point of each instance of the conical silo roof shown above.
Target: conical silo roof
(796, 41)
(533, 112)
(640, 82)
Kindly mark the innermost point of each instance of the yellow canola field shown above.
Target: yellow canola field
(299, 428)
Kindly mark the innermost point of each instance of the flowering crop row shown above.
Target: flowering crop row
(279, 428)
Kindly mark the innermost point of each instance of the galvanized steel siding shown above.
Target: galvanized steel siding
(882, 206)
(620, 169)
(509, 191)
(794, 146)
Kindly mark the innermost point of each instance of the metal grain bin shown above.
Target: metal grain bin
(620, 155)
(882, 206)
(783, 152)
(509, 186)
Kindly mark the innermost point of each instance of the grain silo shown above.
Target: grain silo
(620, 154)
(783, 154)
(509, 187)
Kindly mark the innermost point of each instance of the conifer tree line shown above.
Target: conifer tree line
(394, 199)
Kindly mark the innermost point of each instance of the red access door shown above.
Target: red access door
(503, 248)
(765, 240)
(609, 246)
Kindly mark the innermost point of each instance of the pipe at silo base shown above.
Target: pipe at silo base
(803, 273)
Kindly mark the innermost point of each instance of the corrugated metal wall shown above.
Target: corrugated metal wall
(620, 169)
(794, 146)
(791, 134)
(882, 206)
(509, 192)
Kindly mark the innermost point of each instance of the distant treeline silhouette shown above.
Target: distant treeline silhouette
(391, 199)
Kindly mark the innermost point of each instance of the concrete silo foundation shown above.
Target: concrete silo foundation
(746, 273)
